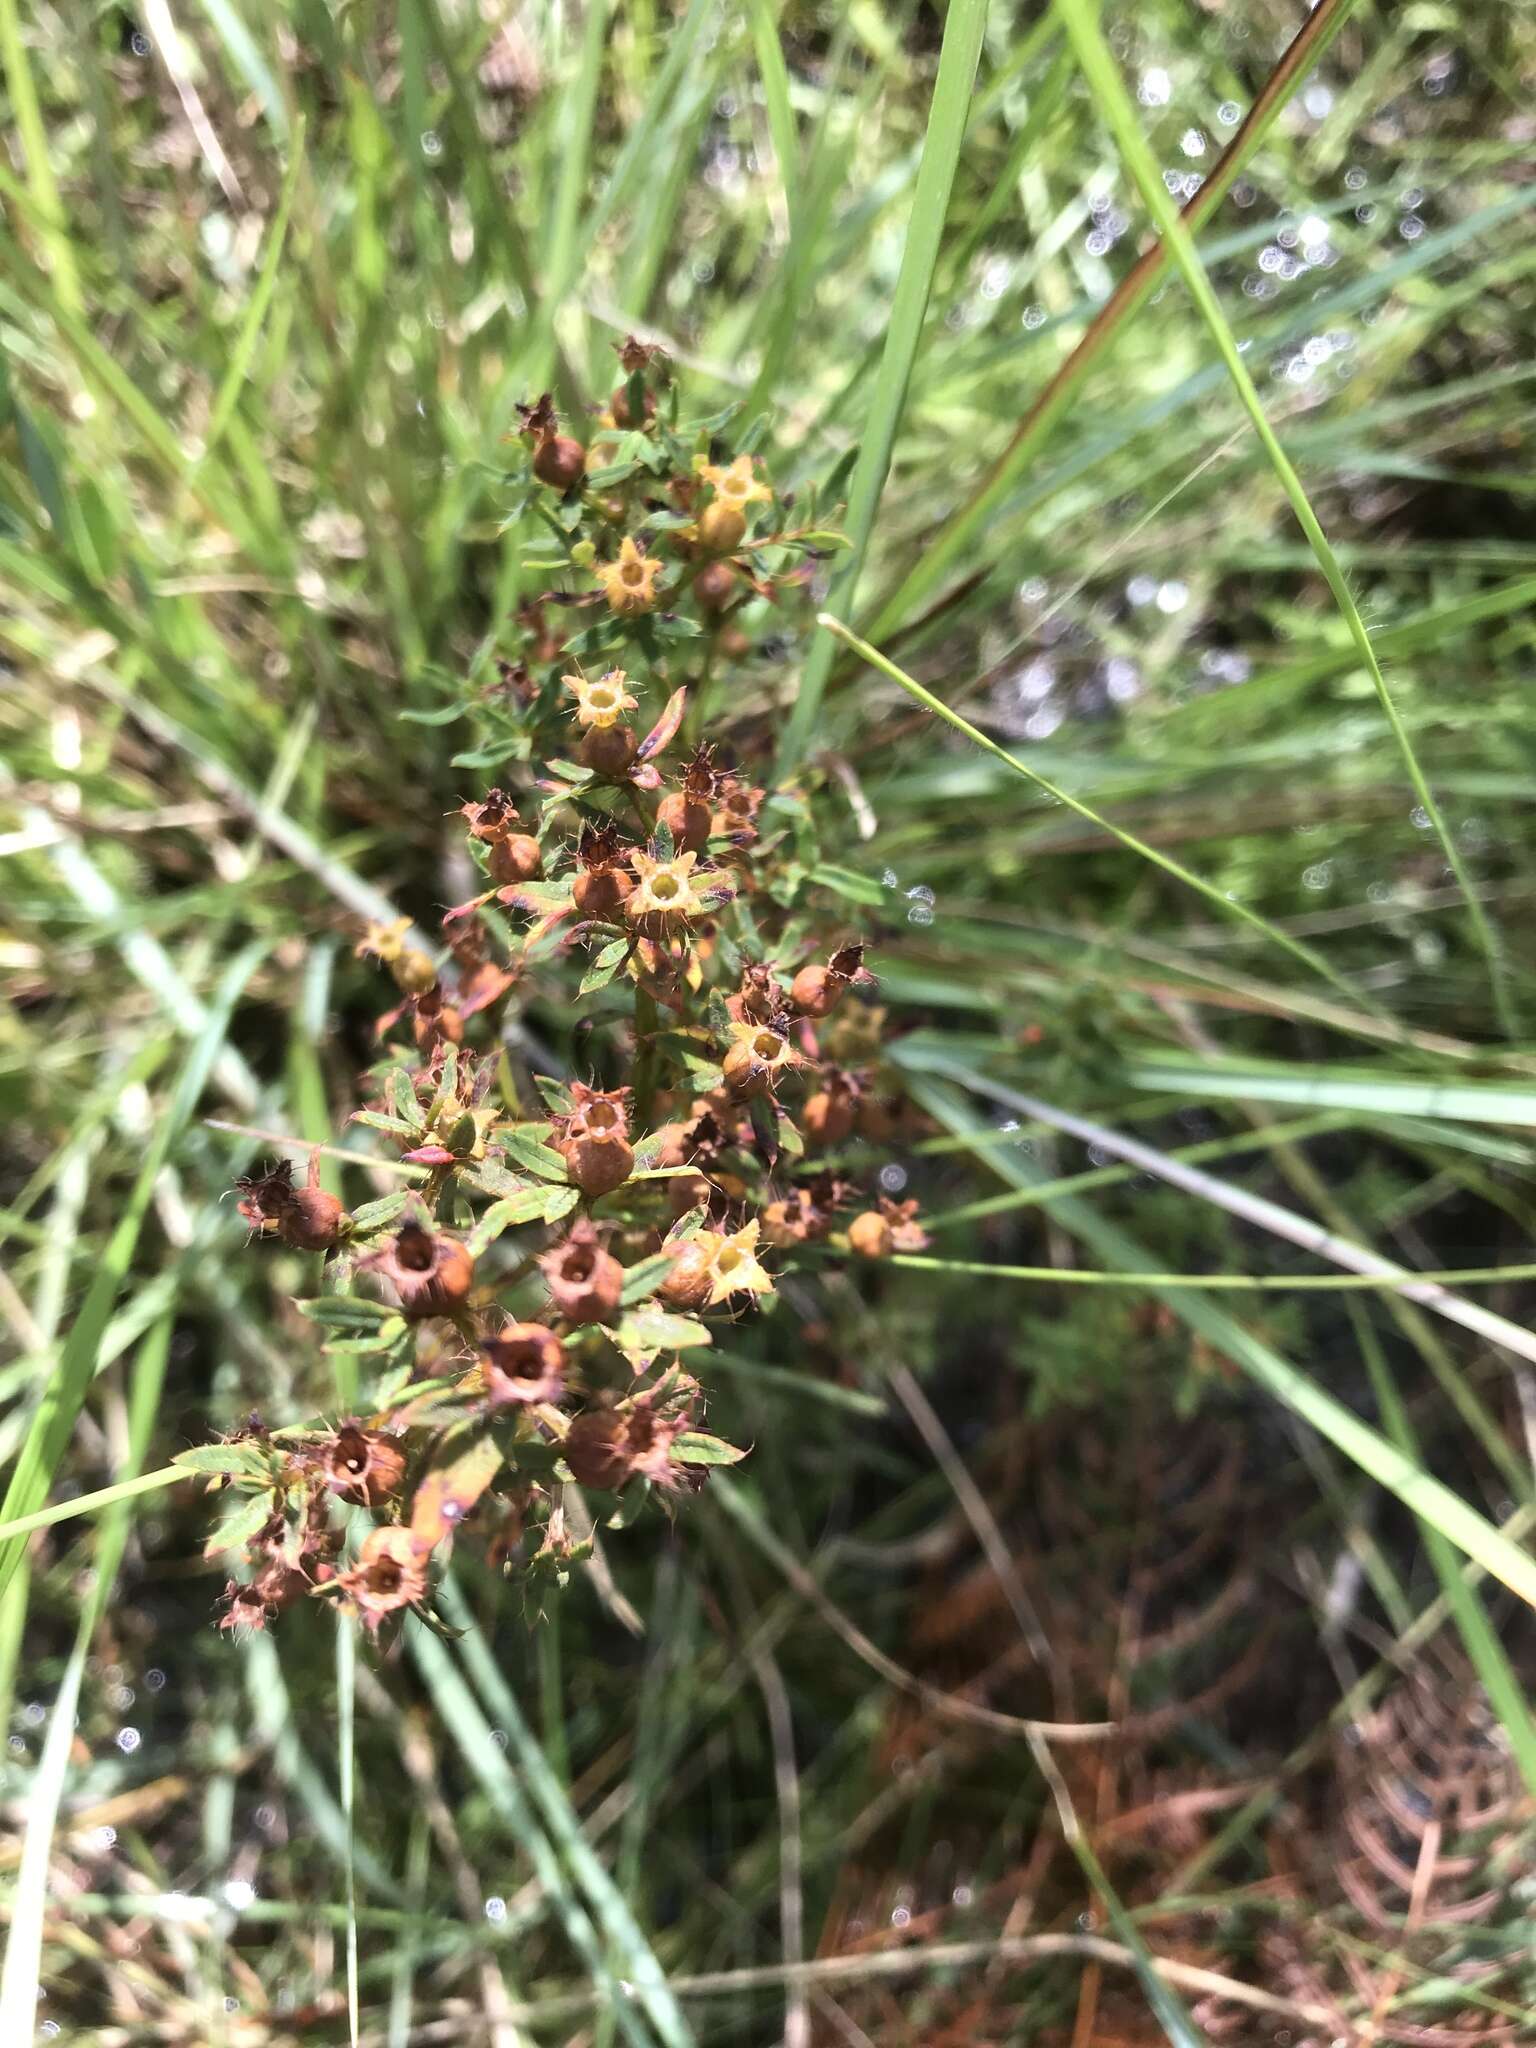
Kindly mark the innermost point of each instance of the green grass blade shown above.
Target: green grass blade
(964, 25)
(27, 114)
(1080, 21)
(244, 349)
(1331, 1088)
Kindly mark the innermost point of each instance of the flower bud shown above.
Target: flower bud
(870, 1235)
(583, 554)
(413, 973)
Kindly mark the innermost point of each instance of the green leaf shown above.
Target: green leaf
(243, 1460)
(237, 1530)
(649, 1330)
(693, 1447)
(642, 1280)
(605, 966)
(528, 1207)
(530, 1150)
(345, 1311)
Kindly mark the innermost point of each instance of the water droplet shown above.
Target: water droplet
(496, 1910)
(128, 1740)
(920, 913)
(920, 893)
(1141, 590)
(1318, 876)
(238, 1894)
(1192, 142)
(1172, 596)
(431, 143)
(1034, 316)
(888, 878)
(1318, 101)
(901, 1917)
(1354, 179)
(1410, 227)
(893, 1178)
(1420, 818)
(1229, 113)
(1155, 88)
(962, 1895)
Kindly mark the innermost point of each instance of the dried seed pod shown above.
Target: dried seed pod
(602, 893)
(517, 858)
(430, 1272)
(692, 1278)
(559, 461)
(597, 1451)
(687, 818)
(585, 1282)
(870, 1235)
(608, 749)
(717, 582)
(362, 1465)
(314, 1220)
(827, 1118)
(523, 1364)
(390, 1574)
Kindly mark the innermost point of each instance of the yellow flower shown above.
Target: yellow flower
(384, 942)
(665, 888)
(735, 485)
(601, 704)
(736, 1270)
(629, 584)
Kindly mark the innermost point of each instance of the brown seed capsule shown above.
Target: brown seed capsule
(743, 1072)
(597, 1165)
(692, 1278)
(363, 1466)
(596, 1447)
(687, 819)
(602, 892)
(623, 411)
(716, 583)
(390, 1573)
(687, 1191)
(815, 992)
(517, 858)
(608, 749)
(560, 461)
(431, 1273)
(721, 527)
(876, 1120)
(827, 1118)
(413, 973)
(313, 1220)
(870, 1235)
(585, 1283)
(524, 1363)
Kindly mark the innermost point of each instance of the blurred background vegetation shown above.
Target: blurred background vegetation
(272, 281)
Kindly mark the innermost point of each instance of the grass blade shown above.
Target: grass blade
(958, 57)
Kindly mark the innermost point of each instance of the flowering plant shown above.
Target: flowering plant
(535, 1305)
